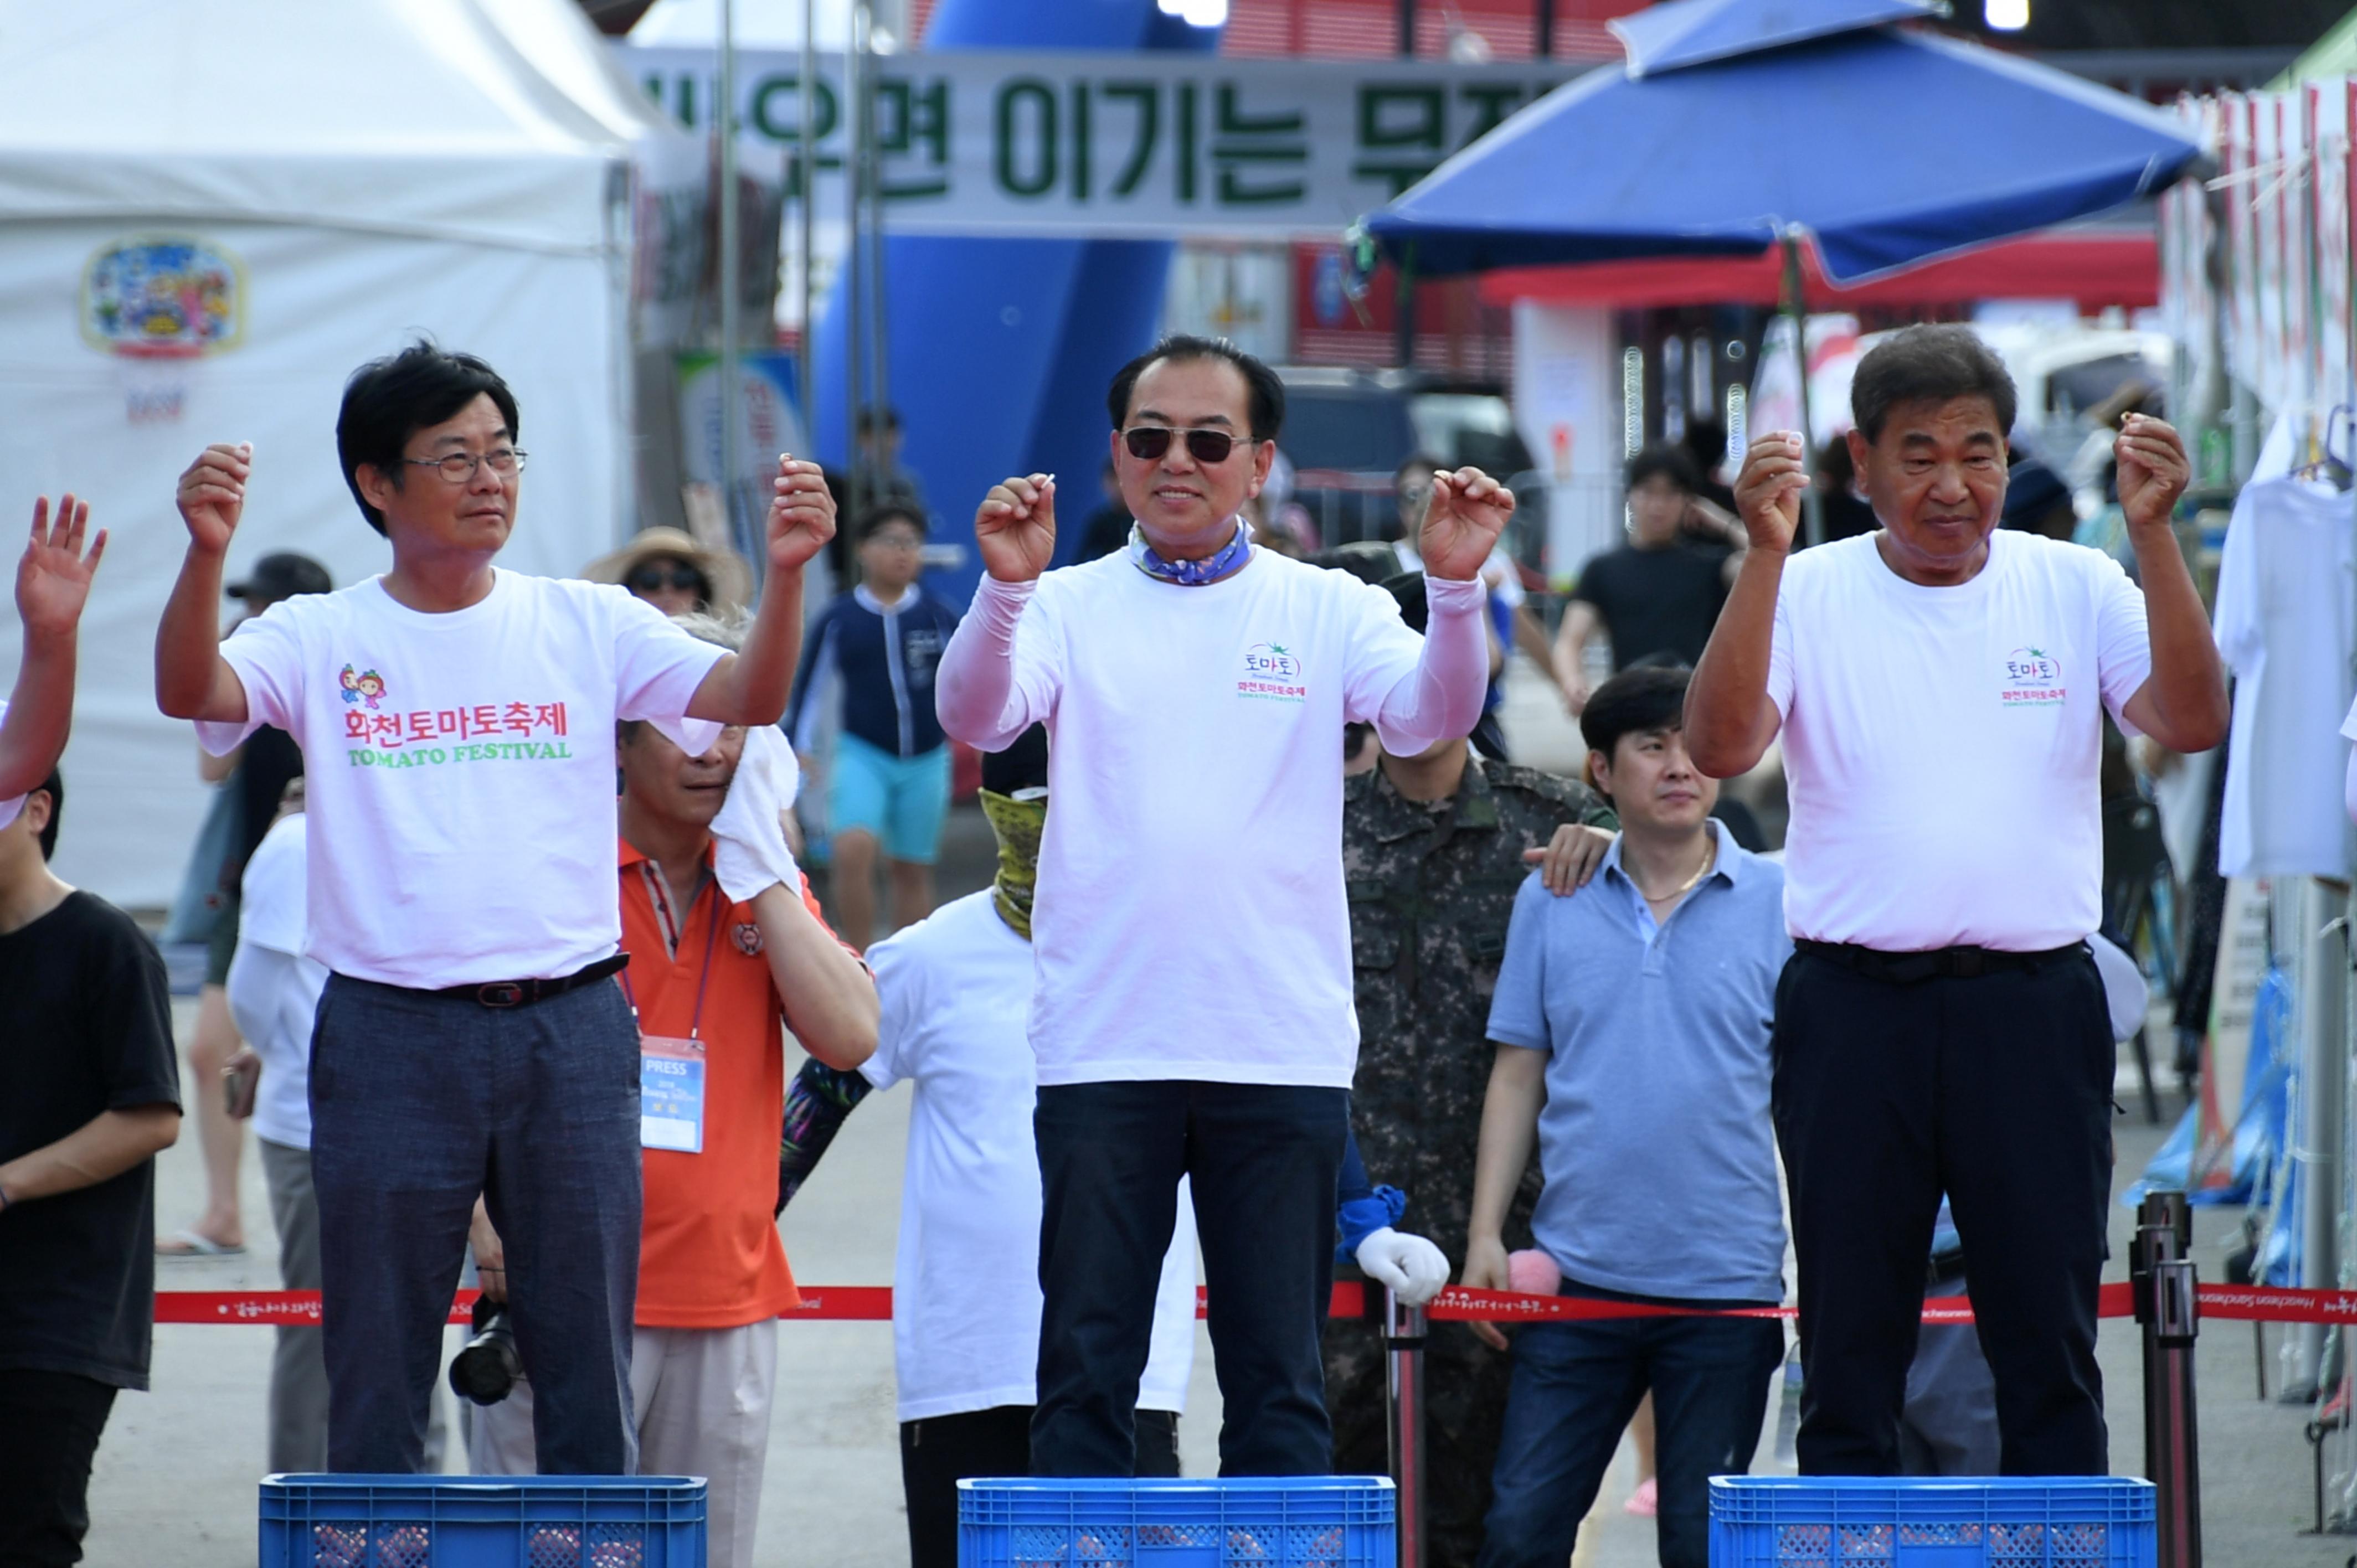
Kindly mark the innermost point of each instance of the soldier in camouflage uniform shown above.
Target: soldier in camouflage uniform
(1431, 886)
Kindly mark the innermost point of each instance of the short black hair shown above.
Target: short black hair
(1264, 411)
(1414, 461)
(389, 400)
(870, 417)
(54, 787)
(1023, 765)
(1663, 460)
(1931, 363)
(1639, 700)
(876, 517)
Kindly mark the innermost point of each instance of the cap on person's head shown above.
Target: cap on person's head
(281, 574)
(1407, 587)
(1022, 765)
(731, 583)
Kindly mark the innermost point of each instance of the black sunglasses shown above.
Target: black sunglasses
(654, 579)
(1147, 443)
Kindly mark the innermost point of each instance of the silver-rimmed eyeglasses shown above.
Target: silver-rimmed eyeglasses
(458, 467)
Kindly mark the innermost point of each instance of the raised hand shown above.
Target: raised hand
(53, 579)
(802, 513)
(1768, 489)
(1015, 527)
(2153, 469)
(212, 494)
(1467, 512)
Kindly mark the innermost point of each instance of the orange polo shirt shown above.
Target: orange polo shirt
(709, 1253)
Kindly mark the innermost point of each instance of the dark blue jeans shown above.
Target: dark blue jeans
(1264, 1159)
(1576, 1385)
(419, 1103)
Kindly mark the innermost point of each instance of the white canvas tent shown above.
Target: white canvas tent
(211, 212)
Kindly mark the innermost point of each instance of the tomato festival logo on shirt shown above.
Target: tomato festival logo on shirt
(368, 685)
(1271, 674)
(2033, 679)
(748, 938)
(481, 732)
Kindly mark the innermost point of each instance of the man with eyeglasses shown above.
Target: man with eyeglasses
(459, 724)
(1192, 943)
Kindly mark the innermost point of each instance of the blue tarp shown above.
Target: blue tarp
(2259, 1126)
(1889, 146)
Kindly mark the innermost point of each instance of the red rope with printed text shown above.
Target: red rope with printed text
(873, 1303)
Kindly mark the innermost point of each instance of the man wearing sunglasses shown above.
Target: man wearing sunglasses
(460, 721)
(1192, 946)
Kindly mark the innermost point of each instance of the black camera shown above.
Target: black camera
(488, 1367)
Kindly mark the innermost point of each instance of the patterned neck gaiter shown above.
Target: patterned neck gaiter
(1018, 824)
(1190, 573)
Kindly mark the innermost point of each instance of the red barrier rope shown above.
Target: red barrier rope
(873, 1303)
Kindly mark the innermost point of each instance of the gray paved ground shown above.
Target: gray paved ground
(175, 1483)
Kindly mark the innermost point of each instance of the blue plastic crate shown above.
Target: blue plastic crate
(482, 1522)
(1856, 1521)
(1297, 1521)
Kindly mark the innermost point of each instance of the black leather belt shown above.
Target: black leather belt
(524, 993)
(1942, 964)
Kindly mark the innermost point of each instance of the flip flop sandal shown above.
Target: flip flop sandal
(191, 1244)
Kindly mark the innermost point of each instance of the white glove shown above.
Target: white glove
(1413, 1267)
(750, 853)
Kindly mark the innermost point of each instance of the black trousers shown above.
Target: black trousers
(1997, 1090)
(1264, 1160)
(50, 1427)
(939, 1452)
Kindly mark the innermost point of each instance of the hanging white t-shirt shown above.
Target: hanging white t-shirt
(957, 989)
(1192, 920)
(459, 768)
(274, 990)
(13, 804)
(1942, 744)
(2286, 585)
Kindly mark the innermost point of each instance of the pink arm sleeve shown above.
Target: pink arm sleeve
(980, 700)
(1440, 698)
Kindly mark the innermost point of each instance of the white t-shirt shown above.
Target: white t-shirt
(274, 990)
(955, 990)
(1942, 744)
(1192, 920)
(2282, 621)
(460, 768)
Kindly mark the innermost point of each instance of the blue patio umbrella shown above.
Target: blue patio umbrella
(1740, 124)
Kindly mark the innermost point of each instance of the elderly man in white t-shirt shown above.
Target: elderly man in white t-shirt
(1940, 686)
(1192, 1012)
(458, 723)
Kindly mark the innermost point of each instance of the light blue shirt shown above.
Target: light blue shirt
(1656, 1142)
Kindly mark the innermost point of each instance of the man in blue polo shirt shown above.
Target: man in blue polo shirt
(1632, 1020)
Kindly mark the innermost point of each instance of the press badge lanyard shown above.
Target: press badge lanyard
(672, 1071)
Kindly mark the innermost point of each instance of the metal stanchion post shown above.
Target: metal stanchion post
(1404, 1336)
(2163, 1278)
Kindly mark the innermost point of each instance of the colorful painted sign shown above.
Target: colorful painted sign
(163, 296)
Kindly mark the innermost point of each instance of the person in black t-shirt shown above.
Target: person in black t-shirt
(91, 1091)
(1658, 594)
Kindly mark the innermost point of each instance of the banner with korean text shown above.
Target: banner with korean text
(1150, 145)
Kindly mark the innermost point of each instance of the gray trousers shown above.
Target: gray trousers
(298, 1366)
(421, 1102)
